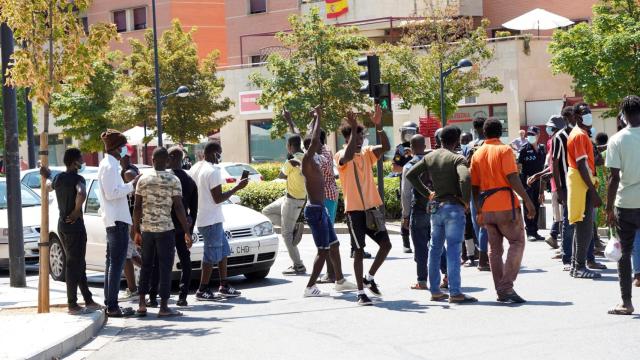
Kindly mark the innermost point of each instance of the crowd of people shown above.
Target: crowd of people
(460, 201)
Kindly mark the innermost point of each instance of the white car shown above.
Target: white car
(253, 243)
(31, 177)
(30, 224)
(231, 172)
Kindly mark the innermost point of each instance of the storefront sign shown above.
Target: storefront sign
(248, 103)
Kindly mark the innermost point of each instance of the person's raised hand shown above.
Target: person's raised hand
(352, 119)
(376, 116)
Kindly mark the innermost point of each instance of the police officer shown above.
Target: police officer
(531, 160)
(402, 156)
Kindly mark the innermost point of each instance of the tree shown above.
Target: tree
(412, 66)
(84, 113)
(602, 57)
(321, 70)
(184, 119)
(56, 51)
(22, 117)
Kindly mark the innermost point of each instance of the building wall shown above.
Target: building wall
(239, 22)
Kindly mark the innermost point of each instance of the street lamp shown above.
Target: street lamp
(463, 63)
(182, 91)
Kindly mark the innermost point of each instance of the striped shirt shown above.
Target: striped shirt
(560, 153)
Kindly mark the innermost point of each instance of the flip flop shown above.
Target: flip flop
(80, 311)
(141, 313)
(619, 311)
(466, 299)
(121, 313)
(171, 313)
(418, 286)
(439, 297)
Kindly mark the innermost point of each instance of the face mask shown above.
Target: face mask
(464, 148)
(587, 119)
(123, 151)
(532, 139)
(592, 132)
(549, 131)
(407, 137)
(83, 167)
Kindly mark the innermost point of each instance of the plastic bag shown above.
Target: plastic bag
(613, 251)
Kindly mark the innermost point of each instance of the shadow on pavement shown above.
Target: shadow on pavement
(166, 331)
(528, 303)
(404, 306)
(531, 271)
(472, 289)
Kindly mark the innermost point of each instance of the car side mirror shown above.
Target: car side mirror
(235, 199)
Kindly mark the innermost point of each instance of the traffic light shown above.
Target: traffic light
(382, 95)
(371, 75)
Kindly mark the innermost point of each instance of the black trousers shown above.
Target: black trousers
(75, 249)
(162, 245)
(184, 255)
(628, 224)
(532, 224)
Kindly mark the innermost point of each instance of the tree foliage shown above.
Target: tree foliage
(84, 113)
(603, 56)
(184, 119)
(412, 66)
(321, 70)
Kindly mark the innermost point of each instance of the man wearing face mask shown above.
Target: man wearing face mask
(531, 160)
(116, 217)
(582, 195)
(402, 156)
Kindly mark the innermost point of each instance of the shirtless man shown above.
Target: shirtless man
(317, 215)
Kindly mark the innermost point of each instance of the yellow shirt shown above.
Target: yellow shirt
(295, 179)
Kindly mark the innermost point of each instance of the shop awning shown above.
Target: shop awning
(538, 19)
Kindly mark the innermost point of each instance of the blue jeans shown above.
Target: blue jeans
(117, 244)
(420, 224)
(635, 254)
(567, 240)
(446, 224)
(481, 232)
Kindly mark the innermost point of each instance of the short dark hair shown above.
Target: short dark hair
(212, 147)
(602, 138)
(568, 111)
(478, 122)
(323, 137)
(294, 140)
(579, 108)
(176, 150)
(345, 129)
(450, 134)
(630, 105)
(492, 128)
(160, 153)
(70, 155)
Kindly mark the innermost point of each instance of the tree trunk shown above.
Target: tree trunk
(43, 285)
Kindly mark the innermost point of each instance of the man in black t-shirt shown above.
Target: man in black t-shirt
(531, 159)
(71, 193)
(128, 172)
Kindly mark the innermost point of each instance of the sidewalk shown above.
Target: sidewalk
(29, 335)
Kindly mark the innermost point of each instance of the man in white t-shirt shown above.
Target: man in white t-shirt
(623, 194)
(209, 221)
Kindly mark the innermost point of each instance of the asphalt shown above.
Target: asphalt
(564, 318)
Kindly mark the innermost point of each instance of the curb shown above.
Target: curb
(75, 341)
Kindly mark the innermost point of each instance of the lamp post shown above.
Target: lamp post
(182, 91)
(464, 63)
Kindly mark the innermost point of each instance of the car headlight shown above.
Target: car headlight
(263, 229)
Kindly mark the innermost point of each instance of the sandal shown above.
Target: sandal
(79, 311)
(121, 313)
(419, 286)
(171, 313)
(596, 265)
(439, 297)
(141, 313)
(620, 311)
(466, 299)
(586, 274)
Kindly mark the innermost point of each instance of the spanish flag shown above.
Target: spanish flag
(336, 8)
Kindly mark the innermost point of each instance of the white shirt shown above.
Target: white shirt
(113, 192)
(207, 176)
(623, 154)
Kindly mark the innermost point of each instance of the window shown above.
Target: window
(257, 6)
(140, 18)
(85, 24)
(93, 202)
(120, 20)
(262, 148)
(256, 59)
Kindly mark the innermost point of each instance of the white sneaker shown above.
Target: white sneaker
(128, 294)
(345, 286)
(314, 292)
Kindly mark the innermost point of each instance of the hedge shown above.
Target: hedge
(257, 195)
(270, 171)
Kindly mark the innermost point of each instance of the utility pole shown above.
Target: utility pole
(11, 154)
(31, 142)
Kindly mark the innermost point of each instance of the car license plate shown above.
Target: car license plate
(244, 248)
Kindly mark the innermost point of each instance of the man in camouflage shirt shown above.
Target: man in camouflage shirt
(157, 193)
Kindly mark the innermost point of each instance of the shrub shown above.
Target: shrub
(269, 171)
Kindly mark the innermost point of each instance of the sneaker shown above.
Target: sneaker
(345, 286)
(182, 302)
(372, 286)
(228, 292)
(128, 294)
(295, 270)
(585, 273)
(365, 256)
(314, 292)
(363, 300)
(532, 238)
(551, 241)
(407, 250)
(206, 295)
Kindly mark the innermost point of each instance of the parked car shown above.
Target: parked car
(30, 224)
(253, 243)
(231, 172)
(31, 177)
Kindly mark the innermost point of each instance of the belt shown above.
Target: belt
(485, 194)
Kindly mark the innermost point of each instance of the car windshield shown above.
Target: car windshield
(237, 169)
(29, 198)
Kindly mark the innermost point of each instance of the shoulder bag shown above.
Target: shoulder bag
(375, 216)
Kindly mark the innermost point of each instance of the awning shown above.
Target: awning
(538, 19)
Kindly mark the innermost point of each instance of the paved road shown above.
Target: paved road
(564, 318)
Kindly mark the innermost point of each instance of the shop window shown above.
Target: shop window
(120, 20)
(140, 18)
(256, 60)
(257, 6)
(262, 148)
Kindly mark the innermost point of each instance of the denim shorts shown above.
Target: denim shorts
(216, 246)
(324, 235)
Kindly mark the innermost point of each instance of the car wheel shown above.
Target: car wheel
(57, 259)
(257, 275)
